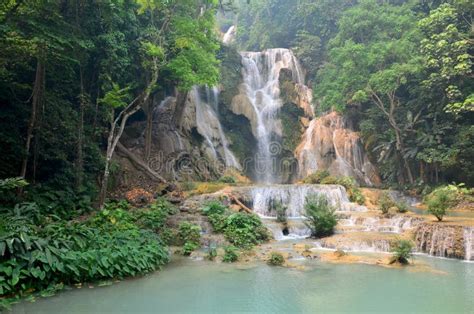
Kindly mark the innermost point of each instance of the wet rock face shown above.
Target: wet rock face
(329, 144)
(444, 240)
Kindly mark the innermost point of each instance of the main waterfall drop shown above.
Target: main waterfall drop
(261, 73)
(209, 126)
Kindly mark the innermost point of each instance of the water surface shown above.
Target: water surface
(196, 286)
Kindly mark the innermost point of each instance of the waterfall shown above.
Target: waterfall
(209, 126)
(469, 243)
(229, 35)
(264, 198)
(445, 240)
(261, 72)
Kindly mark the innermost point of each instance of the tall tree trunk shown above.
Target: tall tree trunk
(149, 129)
(37, 95)
(80, 136)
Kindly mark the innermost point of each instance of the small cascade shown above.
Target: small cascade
(261, 72)
(396, 224)
(264, 198)
(355, 245)
(229, 35)
(469, 243)
(443, 240)
(209, 126)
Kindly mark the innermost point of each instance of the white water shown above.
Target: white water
(229, 35)
(209, 126)
(261, 72)
(469, 243)
(294, 197)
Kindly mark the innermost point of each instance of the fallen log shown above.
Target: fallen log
(140, 163)
(236, 200)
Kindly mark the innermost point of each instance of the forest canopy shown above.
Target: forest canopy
(401, 69)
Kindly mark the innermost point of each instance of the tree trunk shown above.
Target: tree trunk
(37, 95)
(80, 136)
(179, 109)
(149, 129)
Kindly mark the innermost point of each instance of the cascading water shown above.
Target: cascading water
(209, 126)
(469, 243)
(261, 72)
(293, 197)
(229, 35)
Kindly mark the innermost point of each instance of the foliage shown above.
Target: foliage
(231, 254)
(276, 259)
(36, 256)
(402, 251)
(317, 177)
(241, 229)
(320, 216)
(439, 202)
(189, 233)
(189, 247)
(245, 230)
(188, 186)
(213, 207)
(385, 203)
(216, 213)
(281, 212)
(227, 179)
(211, 253)
(402, 207)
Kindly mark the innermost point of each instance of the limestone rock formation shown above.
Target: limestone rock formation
(329, 144)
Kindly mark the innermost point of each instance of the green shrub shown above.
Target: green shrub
(189, 247)
(356, 196)
(214, 207)
(36, 257)
(444, 197)
(218, 222)
(211, 253)
(402, 251)
(385, 202)
(227, 179)
(245, 230)
(231, 254)
(189, 233)
(281, 212)
(320, 216)
(402, 207)
(276, 259)
(317, 177)
(330, 180)
(439, 202)
(188, 186)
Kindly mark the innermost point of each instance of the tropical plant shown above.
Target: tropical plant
(402, 251)
(276, 259)
(385, 203)
(320, 216)
(189, 233)
(231, 254)
(281, 212)
(245, 230)
(439, 202)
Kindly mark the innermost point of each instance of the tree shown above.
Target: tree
(179, 42)
(445, 50)
(372, 58)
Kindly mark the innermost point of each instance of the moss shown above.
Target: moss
(290, 118)
(230, 73)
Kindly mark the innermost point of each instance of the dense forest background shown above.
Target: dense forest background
(400, 70)
(73, 71)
